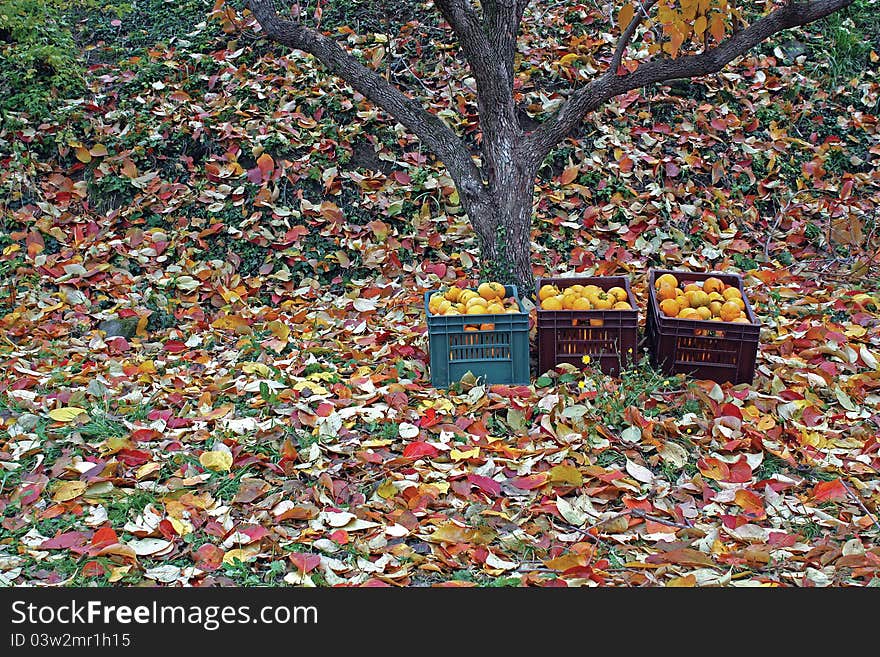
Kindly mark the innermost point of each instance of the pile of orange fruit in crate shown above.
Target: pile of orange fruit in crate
(583, 297)
(713, 300)
(488, 299)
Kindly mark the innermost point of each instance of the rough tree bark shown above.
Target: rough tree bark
(497, 193)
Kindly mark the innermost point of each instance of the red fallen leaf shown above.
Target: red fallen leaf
(826, 491)
(418, 449)
(429, 419)
(751, 504)
(732, 410)
(485, 484)
(324, 409)
(104, 536)
(167, 530)
(266, 165)
(374, 583)
(255, 532)
(145, 435)
(812, 416)
(174, 346)
(740, 472)
(304, 561)
(132, 457)
(530, 482)
(93, 569)
(64, 541)
(404, 178)
(781, 539)
(208, 557)
(340, 536)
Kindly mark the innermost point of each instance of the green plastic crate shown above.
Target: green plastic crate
(498, 356)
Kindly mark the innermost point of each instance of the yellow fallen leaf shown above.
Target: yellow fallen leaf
(256, 368)
(220, 461)
(69, 490)
(118, 573)
(279, 329)
(233, 323)
(566, 474)
(182, 527)
(387, 490)
(314, 388)
(66, 413)
(242, 554)
(457, 455)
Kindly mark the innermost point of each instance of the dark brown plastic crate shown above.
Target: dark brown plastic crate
(608, 337)
(719, 351)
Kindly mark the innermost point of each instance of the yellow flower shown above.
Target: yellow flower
(586, 359)
(581, 385)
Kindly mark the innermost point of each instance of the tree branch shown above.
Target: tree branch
(428, 127)
(628, 33)
(488, 64)
(609, 85)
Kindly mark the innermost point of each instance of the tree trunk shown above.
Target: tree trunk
(502, 220)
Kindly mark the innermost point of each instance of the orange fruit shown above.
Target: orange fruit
(487, 327)
(665, 292)
(444, 306)
(692, 287)
(742, 320)
(666, 279)
(739, 302)
(552, 303)
(713, 284)
(577, 287)
(603, 301)
(683, 300)
(689, 313)
(731, 293)
(452, 311)
(704, 312)
(581, 304)
(621, 305)
(466, 295)
(670, 307)
(618, 293)
(491, 290)
(495, 308)
(715, 296)
(568, 300)
(590, 289)
(453, 293)
(729, 311)
(697, 298)
(596, 322)
(715, 307)
(547, 291)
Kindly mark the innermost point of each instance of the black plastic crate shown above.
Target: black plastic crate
(608, 337)
(719, 351)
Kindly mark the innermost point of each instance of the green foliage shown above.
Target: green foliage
(37, 58)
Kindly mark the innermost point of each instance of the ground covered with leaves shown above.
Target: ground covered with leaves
(214, 352)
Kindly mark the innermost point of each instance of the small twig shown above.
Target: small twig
(638, 513)
(858, 501)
